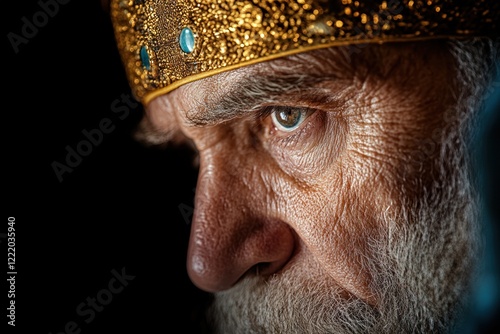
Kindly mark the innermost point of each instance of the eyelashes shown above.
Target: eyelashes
(284, 120)
(288, 119)
(290, 128)
(278, 126)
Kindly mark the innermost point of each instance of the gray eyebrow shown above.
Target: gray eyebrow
(249, 94)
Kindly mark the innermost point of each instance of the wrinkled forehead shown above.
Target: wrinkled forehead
(280, 72)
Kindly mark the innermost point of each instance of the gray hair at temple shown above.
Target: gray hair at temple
(422, 272)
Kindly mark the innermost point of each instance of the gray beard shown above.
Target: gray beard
(421, 271)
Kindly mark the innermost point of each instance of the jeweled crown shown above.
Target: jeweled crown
(167, 43)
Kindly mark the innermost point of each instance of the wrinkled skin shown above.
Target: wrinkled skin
(268, 200)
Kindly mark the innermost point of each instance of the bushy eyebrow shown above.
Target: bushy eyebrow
(250, 93)
(320, 80)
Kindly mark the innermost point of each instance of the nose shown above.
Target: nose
(230, 237)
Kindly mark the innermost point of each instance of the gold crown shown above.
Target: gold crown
(167, 43)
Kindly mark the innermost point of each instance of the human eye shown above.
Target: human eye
(285, 119)
(289, 127)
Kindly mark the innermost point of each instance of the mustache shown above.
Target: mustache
(289, 303)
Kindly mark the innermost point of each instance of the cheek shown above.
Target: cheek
(334, 224)
(311, 156)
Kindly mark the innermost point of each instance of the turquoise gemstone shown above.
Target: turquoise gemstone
(186, 40)
(145, 58)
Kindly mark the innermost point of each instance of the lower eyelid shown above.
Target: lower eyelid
(282, 133)
(287, 131)
(307, 128)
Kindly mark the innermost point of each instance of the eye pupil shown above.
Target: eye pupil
(289, 118)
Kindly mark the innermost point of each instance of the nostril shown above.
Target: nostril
(269, 268)
(262, 268)
(219, 258)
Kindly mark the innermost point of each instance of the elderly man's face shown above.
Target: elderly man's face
(332, 193)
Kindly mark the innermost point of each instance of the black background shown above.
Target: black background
(117, 209)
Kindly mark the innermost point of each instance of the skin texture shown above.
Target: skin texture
(313, 201)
